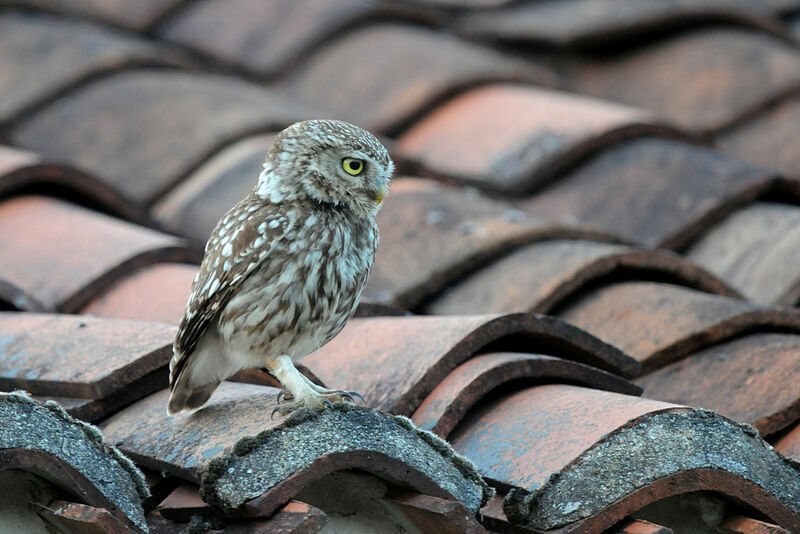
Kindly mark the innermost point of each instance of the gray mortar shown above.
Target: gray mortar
(46, 427)
(261, 462)
(652, 448)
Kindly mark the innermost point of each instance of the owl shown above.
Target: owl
(283, 270)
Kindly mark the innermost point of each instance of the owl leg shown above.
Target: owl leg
(304, 392)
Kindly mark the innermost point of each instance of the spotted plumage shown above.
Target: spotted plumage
(283, 270)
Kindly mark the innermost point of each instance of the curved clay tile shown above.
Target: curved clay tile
(588, 24)
(25, 173)
(144, 130)
(267, 38)
(789, 443)
(754, 379)
(65, 255)
(704, 80)
(42, 55)
(251, 465)
(138, 16)
(655, 192)
(512, 139)
(403, 70)
(660, 323)
(433, 235)
(395, 362)
(91, 366)
(538, 277)
(769, 139)
(474, 379)
(554, 446)
(756, 250)
(43, 439)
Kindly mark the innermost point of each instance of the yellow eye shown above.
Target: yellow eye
(353, 166)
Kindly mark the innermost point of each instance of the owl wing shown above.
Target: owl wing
(242, 240)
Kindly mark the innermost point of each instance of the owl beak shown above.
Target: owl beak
(379, 194)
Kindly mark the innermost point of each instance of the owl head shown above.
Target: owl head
(330, 162)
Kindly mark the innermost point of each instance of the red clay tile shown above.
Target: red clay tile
(183, 503)
(384, 371)
(770, 139)
(235, 430)
(789, 443)
(83, 357)
(586, 24)
(538, 277)
(757, 250)
(468, 383)
(195, 205)
(655, 192)
(160, 486)
(136, 15)
(75, 517)
(704, 80)
(267, 37)
(747, 525)
(65, 255)
(639, 526)
(432, 236)
(658, 323)
(402, 71)
(144, 130)
(512, 139)
(431, 514)
(156, 293)
(555, 445)
(40, 55)
(752, 379)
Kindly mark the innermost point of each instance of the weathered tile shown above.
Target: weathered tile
(83, 357)
(40, 55)
(248, 461)
(136, 15)
(42, 438)
(64, 255)
(75, 517)
(659, 323)
(639, 526)
(769, 139)
(155, 293)
(433, 235)
(586, 24)
(195, 205)
(402, 70)
(703, 80)
(753, 379)
(513, 139)
(399, 368)
(655, 192)
(468, 383)
(144, 130)
(548, 273)
(432, 514)
(561, 443)
(757, 250)
(183, 503)
(748, 525)
(789, 443)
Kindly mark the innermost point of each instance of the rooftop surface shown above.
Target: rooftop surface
(583, 316)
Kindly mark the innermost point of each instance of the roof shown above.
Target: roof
(583, 313)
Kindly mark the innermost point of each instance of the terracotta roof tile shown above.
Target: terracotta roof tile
(752, 379)
(155, 293)
(199, 201)
(474, 379)
(512, 139)
(768, 139)
(640, 526)
(658, 323)
(391, 380)
(757, 250)
(587, 24)
(703, 80)
(563, 268)
(433, 235)
(267, 37)
(182, 503)
(185, 445)
(747, 525)
(789, 444)
(75, 517)
(638, 451)
(41, 55)
(432, 514)
(402, 70)
(65, 255)
(144, 130)
(120, 12)
(654, 192)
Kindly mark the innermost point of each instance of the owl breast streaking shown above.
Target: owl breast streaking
(283, 270)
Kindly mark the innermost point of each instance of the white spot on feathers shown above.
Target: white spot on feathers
(227, 250)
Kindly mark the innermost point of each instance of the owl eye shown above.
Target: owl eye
(353, 166)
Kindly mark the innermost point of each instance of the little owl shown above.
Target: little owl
(283, 270)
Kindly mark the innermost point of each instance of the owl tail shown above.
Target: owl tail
(184, 397)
